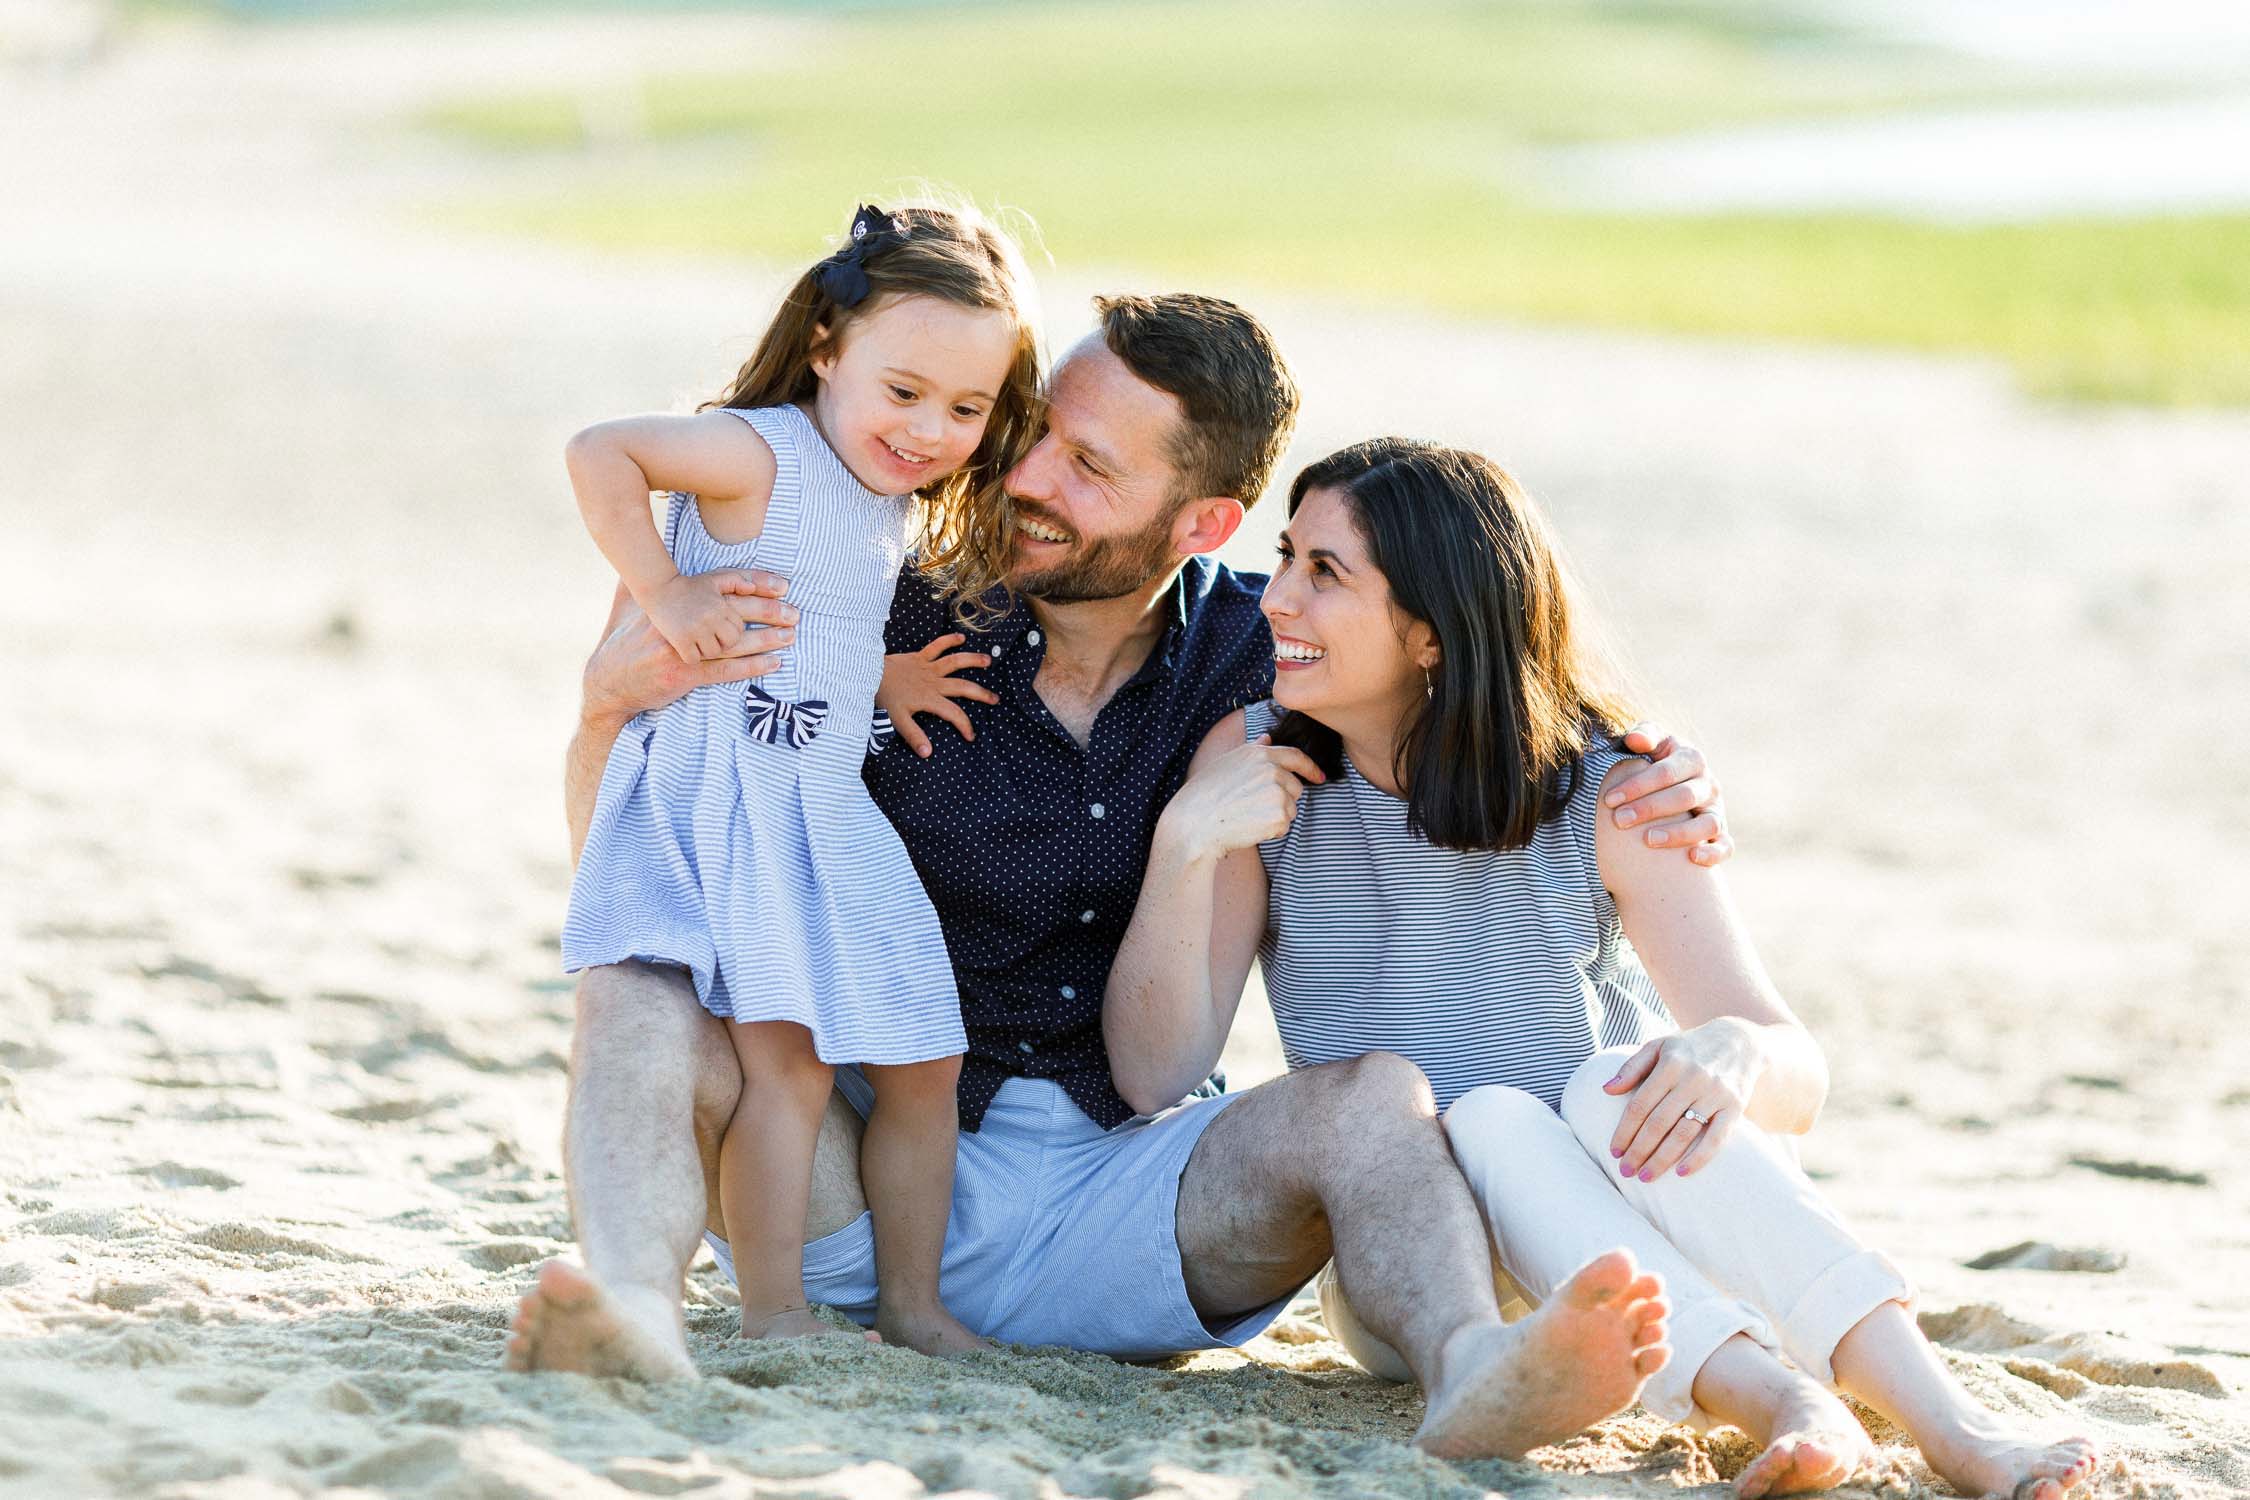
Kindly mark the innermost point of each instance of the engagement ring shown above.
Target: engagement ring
(1700, 1119)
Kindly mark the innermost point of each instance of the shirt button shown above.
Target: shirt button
(1097, 810)
(1024, 1047)
(1031, 637)
(1068, 993)
(1085, 916)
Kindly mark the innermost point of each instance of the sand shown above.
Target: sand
(295, 606)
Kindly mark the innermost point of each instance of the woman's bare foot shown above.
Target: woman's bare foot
(1980, 1455)
(799, 1323)
(1813, 1443)
(930, 1330)
(1583, 1355)
(569, 1321)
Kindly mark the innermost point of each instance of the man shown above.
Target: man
(1078, 1219)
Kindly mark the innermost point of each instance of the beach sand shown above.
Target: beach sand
(296, 601)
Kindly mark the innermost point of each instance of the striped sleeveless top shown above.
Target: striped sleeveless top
(1503, 966)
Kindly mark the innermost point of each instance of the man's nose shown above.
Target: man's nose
(1029, 477)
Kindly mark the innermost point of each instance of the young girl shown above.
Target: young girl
(732, 835)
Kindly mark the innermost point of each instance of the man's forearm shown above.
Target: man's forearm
(583, 765)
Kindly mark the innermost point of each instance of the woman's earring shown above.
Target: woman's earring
(1428, 691)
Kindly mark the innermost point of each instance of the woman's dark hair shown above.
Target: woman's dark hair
(1517, 696)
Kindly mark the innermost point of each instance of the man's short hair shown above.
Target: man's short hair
(1239, 399)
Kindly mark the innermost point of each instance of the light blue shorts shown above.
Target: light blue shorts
(1062, 1232)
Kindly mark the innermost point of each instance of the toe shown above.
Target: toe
(1648, 1361)
(1601, 1279)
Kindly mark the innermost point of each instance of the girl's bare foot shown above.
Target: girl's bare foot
(1814, 1443)
(1980, 1455)
(930, 1330)
(798, 1323)
(1582, 1356)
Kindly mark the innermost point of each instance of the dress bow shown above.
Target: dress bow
(773, 721)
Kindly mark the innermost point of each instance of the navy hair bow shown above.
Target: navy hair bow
(843, 276)
(773, 721)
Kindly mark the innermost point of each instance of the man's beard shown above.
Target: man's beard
(1108, 567)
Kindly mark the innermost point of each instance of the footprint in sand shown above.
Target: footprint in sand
(506, 1255)
(393, 1111)
(2143, 1171)
(260, 1243)
(2103, 1359)
(174, 1174)
(2038, 1255)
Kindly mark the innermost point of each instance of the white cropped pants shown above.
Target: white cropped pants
(1745, 1245)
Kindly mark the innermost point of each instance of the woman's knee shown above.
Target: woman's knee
(1495, 1110)
(1591, 1111)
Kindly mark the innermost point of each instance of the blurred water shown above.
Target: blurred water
(2163, 156)
(2155, 38)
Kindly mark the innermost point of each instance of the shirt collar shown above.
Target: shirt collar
(1192, 580)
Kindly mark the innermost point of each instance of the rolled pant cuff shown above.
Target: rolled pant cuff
(1834, 1305)
(1695, 1333)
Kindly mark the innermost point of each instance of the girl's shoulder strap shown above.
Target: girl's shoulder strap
(783, 428)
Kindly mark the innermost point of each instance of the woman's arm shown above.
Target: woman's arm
(1740, 1052)
(1180, 971)
(613, 467)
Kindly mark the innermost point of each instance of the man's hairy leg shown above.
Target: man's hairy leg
(653, 1080)
(1348, 1160)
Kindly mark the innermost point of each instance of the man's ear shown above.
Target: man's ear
(1206, 525)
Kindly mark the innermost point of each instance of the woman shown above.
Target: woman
(1407, 835)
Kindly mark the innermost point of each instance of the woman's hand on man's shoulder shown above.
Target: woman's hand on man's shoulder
(1672, 796)
(1239, 793)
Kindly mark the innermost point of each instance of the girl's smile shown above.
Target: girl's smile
(904, 400)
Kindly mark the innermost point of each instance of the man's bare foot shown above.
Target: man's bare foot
(1982, 1456)
(1505, 1390)
(799, 1323)
(568, 1321)
(930, 1330)
(1814, 1443)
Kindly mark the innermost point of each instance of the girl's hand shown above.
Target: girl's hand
(1243, 798)
(922, 682)
(1712, 1069)
(698, 613)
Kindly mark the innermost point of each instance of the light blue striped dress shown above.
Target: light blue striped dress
(1503, 966)
(732, 834)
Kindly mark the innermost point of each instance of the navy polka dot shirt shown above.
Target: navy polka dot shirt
(1031, 848)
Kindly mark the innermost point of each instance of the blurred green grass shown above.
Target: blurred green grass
(1239, 144)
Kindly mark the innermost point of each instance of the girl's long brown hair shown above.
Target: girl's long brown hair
(1521, 691)
(965, 528)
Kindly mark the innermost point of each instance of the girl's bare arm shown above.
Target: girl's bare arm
(613, 468)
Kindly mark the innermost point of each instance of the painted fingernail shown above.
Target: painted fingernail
(1648, 1177)
(1625, 1169)
(1683, 1171)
